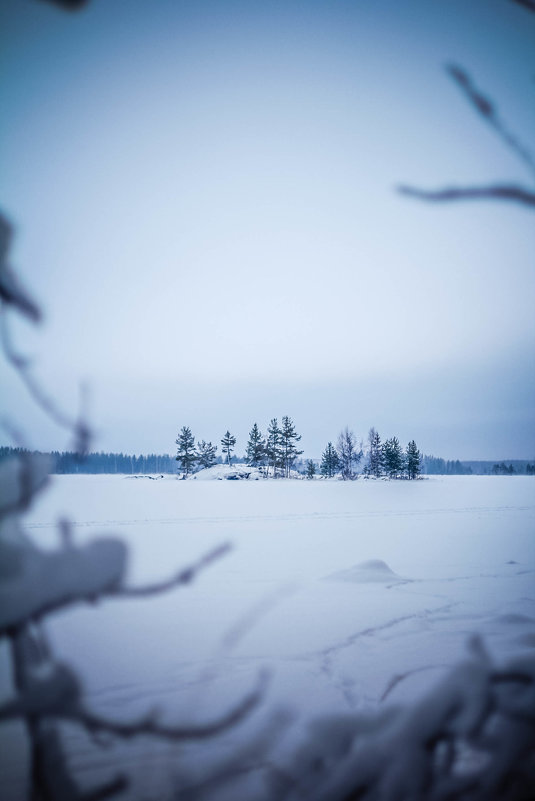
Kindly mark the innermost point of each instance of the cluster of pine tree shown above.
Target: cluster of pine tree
(383, 458)
(191, 456)
(275, 454)
(502, 469)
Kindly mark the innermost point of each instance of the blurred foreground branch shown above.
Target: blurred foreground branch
(487, 110)
(472, 738)
(34, 583)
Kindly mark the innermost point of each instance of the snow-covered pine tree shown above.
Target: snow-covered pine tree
(311, 469)
(392, 457)
(256, 448)
(227, 445)
(375, 459)
(349, 454)
(206, 454)
(330, 463)
(288, 439)
(185, 454)
(412, 460)
(273, 446)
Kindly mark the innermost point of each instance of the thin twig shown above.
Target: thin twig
(485, 107)
(185, 576)
(22, 365)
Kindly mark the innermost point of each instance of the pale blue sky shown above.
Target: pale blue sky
(205, 206)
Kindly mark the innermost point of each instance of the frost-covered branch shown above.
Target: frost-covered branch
(481, 715)
(36, 582)
(51, 778)
(53, 690)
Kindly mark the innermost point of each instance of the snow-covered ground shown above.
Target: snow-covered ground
(353, 595)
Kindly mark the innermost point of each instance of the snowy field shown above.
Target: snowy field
(353, 595)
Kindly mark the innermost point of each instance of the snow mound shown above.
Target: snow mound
(222, 472)
(374, 570)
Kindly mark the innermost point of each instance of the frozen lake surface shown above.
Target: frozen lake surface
(352, 594)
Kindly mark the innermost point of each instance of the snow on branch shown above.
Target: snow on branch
(53, 778)
(36, 583)
(41, 686)
(471, 738)
(39, 582)
(53, 690)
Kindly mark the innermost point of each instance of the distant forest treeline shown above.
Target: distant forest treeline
(68, 462)
(94, 463)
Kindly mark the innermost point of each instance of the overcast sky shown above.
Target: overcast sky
(205, 205)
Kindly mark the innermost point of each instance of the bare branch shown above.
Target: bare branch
(58, 695)
(149, 724)
(78, 426)
(13, 295)
(53, 580)
(516, 194)
(185, 576)
(11, 291)
(51, 779)
(487, 110)
(243, 760)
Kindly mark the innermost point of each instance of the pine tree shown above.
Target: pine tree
(273, 446)
(256, 449)
(185, 454)
(311, 469)
(206, 454)
(288, 438)
(392, 457)
(227, 446)
(375, 459)
(329, 461)
(349, 454)
(412, 460)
